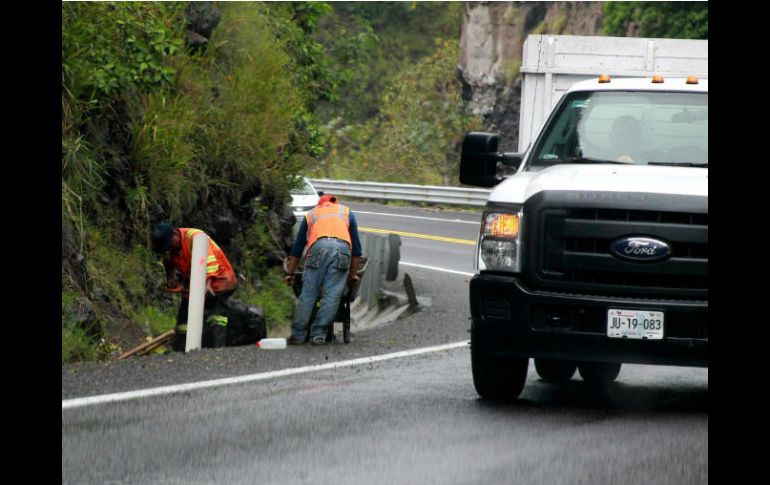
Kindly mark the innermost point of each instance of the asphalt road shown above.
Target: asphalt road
(463, 227)
(414, 419)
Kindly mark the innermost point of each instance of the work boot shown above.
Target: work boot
(318, 340)
(180, 338)
(295, 340)
(218, 336)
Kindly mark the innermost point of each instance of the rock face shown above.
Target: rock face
(491, 42)
(202, 17)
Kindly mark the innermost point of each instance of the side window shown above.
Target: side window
(562, 139)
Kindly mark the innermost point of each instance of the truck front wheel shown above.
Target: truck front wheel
(498, 378)
(557, 371)
(598, 372)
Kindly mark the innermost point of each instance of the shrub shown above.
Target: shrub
(76, 343)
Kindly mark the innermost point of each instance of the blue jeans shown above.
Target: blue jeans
(326, 273)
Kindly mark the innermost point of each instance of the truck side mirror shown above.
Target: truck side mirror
(479, 159)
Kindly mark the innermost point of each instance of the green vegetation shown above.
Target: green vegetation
(680, 20)
(109, 49)
(76, 344)
(417, 135)
(153, 130)
(511, 70)
(403, 120)
(274, 296)
(554, 27)
(156, 321)
(119, 273)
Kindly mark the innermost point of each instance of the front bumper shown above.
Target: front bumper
(510, 319)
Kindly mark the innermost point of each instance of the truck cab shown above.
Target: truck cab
(594, 253)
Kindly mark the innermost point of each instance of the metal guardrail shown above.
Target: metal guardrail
(417, 193)
(382, 252)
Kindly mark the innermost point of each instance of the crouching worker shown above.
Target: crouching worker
(330, 234)
(175, 246)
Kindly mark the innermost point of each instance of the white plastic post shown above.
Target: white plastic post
(197, 292)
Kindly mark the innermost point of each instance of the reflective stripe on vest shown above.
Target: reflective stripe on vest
(189, 234)
(217, 265)
(217, 320)
(328, 220)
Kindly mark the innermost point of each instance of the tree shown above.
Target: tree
(680, 20)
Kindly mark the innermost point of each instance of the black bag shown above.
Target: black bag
(246, 324)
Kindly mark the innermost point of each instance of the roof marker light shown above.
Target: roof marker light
(604, 78)
(692, 80)
(657, 79)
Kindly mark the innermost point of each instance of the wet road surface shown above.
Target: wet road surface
(412, 420)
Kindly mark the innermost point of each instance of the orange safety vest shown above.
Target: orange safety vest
(328, 220)
(217, 266)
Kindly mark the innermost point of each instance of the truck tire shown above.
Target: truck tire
(556, 371)
(598, 372)
(498, 378)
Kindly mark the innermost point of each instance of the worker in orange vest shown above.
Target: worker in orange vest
(175, 244)
(329, 233)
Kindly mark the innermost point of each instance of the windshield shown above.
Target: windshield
(632, 127)
(304, 189)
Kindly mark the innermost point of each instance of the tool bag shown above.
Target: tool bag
(246, 324)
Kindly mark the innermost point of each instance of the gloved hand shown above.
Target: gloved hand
(289, 266)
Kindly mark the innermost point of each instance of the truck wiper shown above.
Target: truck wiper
(680, 164)
(591, 160)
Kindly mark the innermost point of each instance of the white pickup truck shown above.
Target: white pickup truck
(595, 252)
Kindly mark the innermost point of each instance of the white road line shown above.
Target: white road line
(158, 391)
(436, 268)
(418, 217)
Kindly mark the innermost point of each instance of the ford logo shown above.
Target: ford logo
(640, 249)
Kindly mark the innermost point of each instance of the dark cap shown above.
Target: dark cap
(161, 237)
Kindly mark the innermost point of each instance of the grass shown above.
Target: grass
(274, 296)
(164, 152)
(510, 70)
(156, 321)
(81, 179)
(117, 272)
(76, 344)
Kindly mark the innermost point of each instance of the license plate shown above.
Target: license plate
(639, 324)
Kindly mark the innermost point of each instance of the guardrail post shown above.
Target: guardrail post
(197, 292)
(391, 256)
(372, 246)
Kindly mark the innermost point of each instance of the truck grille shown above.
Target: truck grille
(569, 249)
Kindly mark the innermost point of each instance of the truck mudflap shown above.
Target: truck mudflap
(510, 319)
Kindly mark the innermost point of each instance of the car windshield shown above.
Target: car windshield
(304, 189)
(630, 127)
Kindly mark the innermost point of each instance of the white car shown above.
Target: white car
(303, 198)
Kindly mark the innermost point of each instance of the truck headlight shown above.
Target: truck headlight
(499, 245)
